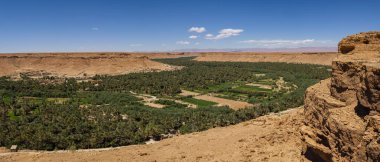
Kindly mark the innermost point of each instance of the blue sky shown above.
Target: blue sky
(159, 25)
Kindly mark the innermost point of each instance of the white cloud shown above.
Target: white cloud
(197, 29)
(225, 33)
(135, 45)
(208, 36)
(95, 28)
(288, 43)
(280, 42)
(193, 37)
(183, 42)
(197, 43)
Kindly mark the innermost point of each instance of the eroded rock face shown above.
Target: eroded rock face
(368, 41)
(342, 114)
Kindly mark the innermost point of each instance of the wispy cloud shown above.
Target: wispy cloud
(224, 33)
(193, 37)
(209, 36)
(183, 42)
(279, 42)
(197, 29)
(287, 43)
(95, 28)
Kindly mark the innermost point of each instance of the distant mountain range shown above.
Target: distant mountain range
(300, 49)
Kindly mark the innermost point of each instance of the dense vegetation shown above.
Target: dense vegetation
(39, 114)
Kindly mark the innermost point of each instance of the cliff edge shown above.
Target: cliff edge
(342, 114)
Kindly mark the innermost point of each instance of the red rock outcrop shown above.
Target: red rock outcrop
(342, 114)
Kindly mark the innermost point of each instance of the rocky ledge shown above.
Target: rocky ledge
(342, 114)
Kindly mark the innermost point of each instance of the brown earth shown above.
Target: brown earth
(342, 114)
(274, 138)
(188, 93)
(82, 65)
(78, 64)
(167, 55)
(150, 101)
(236, 105)
(263, 86)
(305, 58)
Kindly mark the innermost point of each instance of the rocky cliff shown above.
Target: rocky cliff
(342, 114)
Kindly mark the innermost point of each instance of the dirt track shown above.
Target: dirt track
(231, 103)
(268, 138)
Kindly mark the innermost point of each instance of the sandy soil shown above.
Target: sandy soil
(224, 102)
(189, 105)
(317, 58)
(151, 55)
(155, 105)
(167, 55)
(149, 101)
(221, 101)
(77, 64)
(3, 150)
(90, 64)
(188, 93)
(269, 138)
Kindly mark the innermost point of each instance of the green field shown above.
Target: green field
(199, 102)
(251, 89)
(238, 90)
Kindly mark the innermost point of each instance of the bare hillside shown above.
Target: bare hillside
(89, 64)
(306, 58)
(76, 64)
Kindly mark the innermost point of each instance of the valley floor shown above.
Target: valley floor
(273, 137)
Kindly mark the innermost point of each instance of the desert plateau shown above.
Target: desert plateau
(191, 81)
(299, 129)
